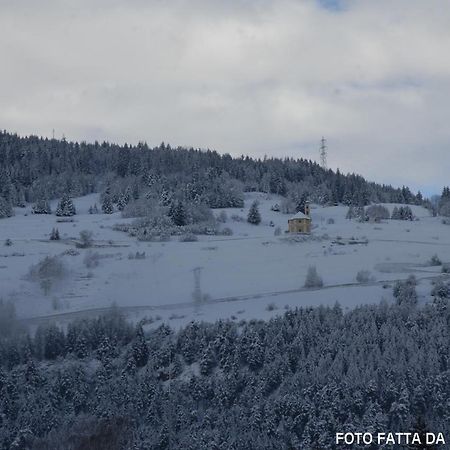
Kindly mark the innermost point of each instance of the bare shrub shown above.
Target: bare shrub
(277, 231)
(271, 307)
(377, 212)
(137, 255)
(313, 279)
(363, 276)
(237, 218)
(330, 221)
(188, 237)
(445, 268)
(46, 272)
(222, 217)
(227, 231)
(86, 240)
(435, 261)
(91, 259)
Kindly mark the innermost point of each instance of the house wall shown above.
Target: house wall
(299, 226)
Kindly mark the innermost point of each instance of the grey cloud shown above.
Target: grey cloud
(252, 77)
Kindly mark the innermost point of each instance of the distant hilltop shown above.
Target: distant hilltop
(34, 168)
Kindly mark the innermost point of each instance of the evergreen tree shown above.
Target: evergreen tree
(5, 209)
(178, 214)
(254, 217)
(107, 206)
(65, 207)
(140, 350)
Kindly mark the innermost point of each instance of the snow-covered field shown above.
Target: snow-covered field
(251, 274)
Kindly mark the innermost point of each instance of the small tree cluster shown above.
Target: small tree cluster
(402, 213)
(41, 207)
(54, 235)
(93, 209)
(356, 212)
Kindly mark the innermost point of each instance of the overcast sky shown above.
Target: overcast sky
(243, 77)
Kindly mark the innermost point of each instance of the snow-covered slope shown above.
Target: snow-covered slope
(251, 274)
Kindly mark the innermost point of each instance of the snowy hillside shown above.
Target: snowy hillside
(251, 274)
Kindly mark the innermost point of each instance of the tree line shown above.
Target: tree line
(34, 169)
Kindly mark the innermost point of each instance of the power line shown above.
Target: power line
(323, 153)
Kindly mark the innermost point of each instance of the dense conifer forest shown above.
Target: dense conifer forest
(289, 383)
(34, 169)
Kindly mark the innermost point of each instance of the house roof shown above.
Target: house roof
(300, 215)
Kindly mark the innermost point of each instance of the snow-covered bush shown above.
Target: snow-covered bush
(271, 307)
(41, 207)
(222, 217)
(200, 213)
(188, 237)
(441, 289)
(8, 242)
(445, 268)
(141, 208)
(137, 255)
(330, 221)
(277, 231)
(237, 218)
(313, 279)
(227, 231)
(444, 210)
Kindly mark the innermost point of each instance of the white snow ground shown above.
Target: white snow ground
(252, 274)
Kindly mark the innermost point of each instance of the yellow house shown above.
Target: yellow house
(301, 222)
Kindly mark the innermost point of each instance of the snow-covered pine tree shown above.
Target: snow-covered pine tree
(65, 207)
(395, 214)
(178, 214)
(5, 208)
(107, 206)
(121, 202)
(254, 217)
